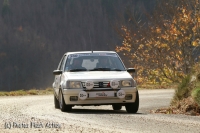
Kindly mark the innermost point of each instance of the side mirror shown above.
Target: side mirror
(57, 72)
(130, 70)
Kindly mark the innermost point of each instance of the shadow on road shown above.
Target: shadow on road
(99, 111)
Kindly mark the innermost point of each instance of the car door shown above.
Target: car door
(58, 77)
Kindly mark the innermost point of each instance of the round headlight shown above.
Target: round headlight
(114, 84)
(89, 85)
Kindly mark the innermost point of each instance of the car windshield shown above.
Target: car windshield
(94, 62)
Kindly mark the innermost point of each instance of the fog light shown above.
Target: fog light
(121, 94)
(73, 98)
(128, 97)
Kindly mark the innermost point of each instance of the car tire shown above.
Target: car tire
(56, 102)
(117, 107)
(133, 107)
(63, 106)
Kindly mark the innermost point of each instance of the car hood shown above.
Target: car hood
(97, 75)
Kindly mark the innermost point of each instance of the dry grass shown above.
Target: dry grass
(27, 92)
(187, 96)
(157, 86)
(185, 106)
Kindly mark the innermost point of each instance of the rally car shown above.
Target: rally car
(94, 78)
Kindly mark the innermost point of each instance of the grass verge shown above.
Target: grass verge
(27, 92)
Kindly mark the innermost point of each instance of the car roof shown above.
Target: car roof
(80, 52)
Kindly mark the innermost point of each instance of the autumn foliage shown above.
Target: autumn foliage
(165, 47)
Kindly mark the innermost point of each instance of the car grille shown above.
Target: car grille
(103, 84)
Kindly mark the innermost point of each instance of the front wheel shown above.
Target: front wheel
(133, 107)
(63, 106)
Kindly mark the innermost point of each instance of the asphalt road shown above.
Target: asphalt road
(37, 114)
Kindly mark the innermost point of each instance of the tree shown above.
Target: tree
(35, 34)
(6, 8)
(162, 48)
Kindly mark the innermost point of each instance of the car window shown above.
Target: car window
(61, 65)
(93, 61)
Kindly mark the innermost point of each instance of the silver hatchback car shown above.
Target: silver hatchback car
(94, 78)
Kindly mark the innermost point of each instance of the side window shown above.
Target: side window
(68, 63)
(63, 63)
(60, 67)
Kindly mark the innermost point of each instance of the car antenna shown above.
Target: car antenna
(107, 47)
(90, 42)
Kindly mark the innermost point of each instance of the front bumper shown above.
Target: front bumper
(67, 93)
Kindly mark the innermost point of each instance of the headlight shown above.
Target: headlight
(74, 84)
(126, 83)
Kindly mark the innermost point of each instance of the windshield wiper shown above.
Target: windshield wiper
(105, 69)
(100, 69)
(75, 70)
(115, 69)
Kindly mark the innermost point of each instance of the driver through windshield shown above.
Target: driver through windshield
(93, 62)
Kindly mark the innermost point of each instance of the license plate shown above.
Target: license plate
(101, 94)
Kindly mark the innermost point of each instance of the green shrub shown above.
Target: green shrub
(183, 90)
(196, 95)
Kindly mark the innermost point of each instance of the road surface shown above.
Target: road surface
(37, 114)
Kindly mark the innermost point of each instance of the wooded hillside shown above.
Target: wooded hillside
(35, 34)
